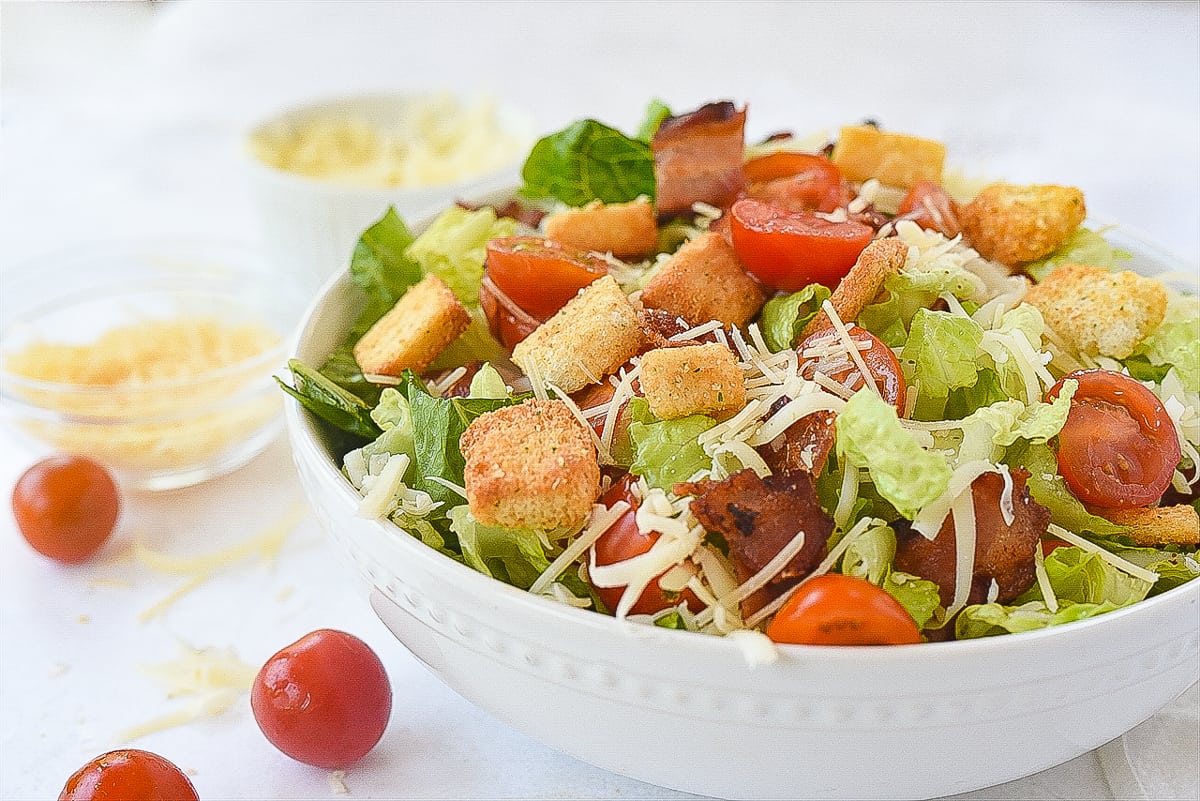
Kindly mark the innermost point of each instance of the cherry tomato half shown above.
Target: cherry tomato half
(507, 321)
(800, 181)
(842, 610)
(128, 775)
(879, 358)
(539, 275)
(1118, 448)
(624, 541)
(789, 250)
(323, 700)
(931, 207)
(66, 507)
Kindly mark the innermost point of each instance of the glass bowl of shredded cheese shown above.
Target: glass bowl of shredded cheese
(155, 358)
(323, 172)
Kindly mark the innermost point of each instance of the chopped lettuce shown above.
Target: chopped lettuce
(914, 289)
(905, 474)
(984, 392)
(394, 416)
(784, 317)
(454, 247)
(1001, 424)
(382, 268)
(333, 404)
(656, 112)
(1172, 568)
(1082, 577)
(589, 161)
(1082, 247)
(1175, 343)
(667, 451)
(989, 620)
(487, 383)
(940, 356)
(918, 596)
(514, 556)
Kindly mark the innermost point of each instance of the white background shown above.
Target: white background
(126, 120)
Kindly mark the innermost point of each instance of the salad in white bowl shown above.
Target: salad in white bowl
(821, 393)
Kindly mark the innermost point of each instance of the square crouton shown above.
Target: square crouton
(594, 334)
(530, 466)
(623, 229)
(696, 379)
(412, 334)
(1018, 224)
(864, 151)
(705, 281)
(1098, 312)
(1155, 526)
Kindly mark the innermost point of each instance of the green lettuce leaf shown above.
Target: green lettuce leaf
(330, 402)
(1172, 568)
(476, 344)
(666, 451)
(1175, 343)
(984, 392)
(987, 430)
(381, 267)
(988, 620)
(656, 112)
(905, 474)
(940, 354)
(1048, 488)
(487, 383)
(784, 317)
(589, 161)
(918, 596)
(514, 556)
(1082, 247)
(455, 245)
(1082, 577)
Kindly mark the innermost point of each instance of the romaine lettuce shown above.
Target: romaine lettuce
(514, 556)
(870, 557)
(940, 355)
(667, 451)
(1082, 577)
(784, 317)
(988, 620)
(589, 161)
(1176, 342)
(1082, 247)
(454, 248)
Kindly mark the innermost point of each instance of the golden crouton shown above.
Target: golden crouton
(1162, 525)
(594, 334)
(415, 330)
(705, 281)
(1098, 312)
(1018, 224)
(697, 379)
(880, 259)
(864, 151)
(623, 229)
(530, 466)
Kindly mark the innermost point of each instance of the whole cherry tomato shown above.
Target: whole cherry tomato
(128, 775)
(842, 610)
(323, 700)
(931, 207)
(623, 540)
(789, 250)
(879, 358)
(1118, 448)
(800, 181)
(66, 507)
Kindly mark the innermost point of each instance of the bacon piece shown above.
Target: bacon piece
(698, 157)
(659, 326)
(758, 517)
(515, 209)
(1002, 552)
(804, 446)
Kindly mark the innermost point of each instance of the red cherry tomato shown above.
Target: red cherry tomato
(624, 541)
(66, 507)
(842, 610)
(879, 358)
(324, 700)
(1118, 448)
(128, 775)
(507, 321)
(539, 275)
(929, 206)
(790, 249)
(800, 181)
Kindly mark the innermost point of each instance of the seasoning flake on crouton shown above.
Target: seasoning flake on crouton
(697, 379)
(531, 466)
(704, 281)
(880, 259)
(864, 151)
(412, 334)
(1015, 225)
(594, 334)
(623, 229)
(1099, 312)
(1160, 525)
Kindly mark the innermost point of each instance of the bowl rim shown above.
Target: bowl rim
(301, 424)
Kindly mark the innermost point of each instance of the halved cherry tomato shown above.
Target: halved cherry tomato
(842, 610)
(66, 507)
(929, 206)
(507, 321)
(539, 275)
(879, 358)
(802, 181)
(624, 541)
(128, 775)
(790, 249)
(1118, 448)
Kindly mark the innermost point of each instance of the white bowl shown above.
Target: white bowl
(310, 225)
(686, 711)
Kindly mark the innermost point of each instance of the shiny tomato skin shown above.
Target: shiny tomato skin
(66, 507)
(931, 207)
(880, 360)
(1118, 448)
(624, 541)
(539, 275)
(833, 609)
(128, 775)
(507, 321)
(796, 180)
(789, 250)
(323, 700)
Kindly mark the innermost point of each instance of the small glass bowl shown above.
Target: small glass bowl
(63, 388)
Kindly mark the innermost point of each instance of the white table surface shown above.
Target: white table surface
(125, 120)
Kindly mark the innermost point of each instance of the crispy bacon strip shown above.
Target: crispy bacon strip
(804, 446)
(698, 157)
(1002, 552)
(659, 326)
